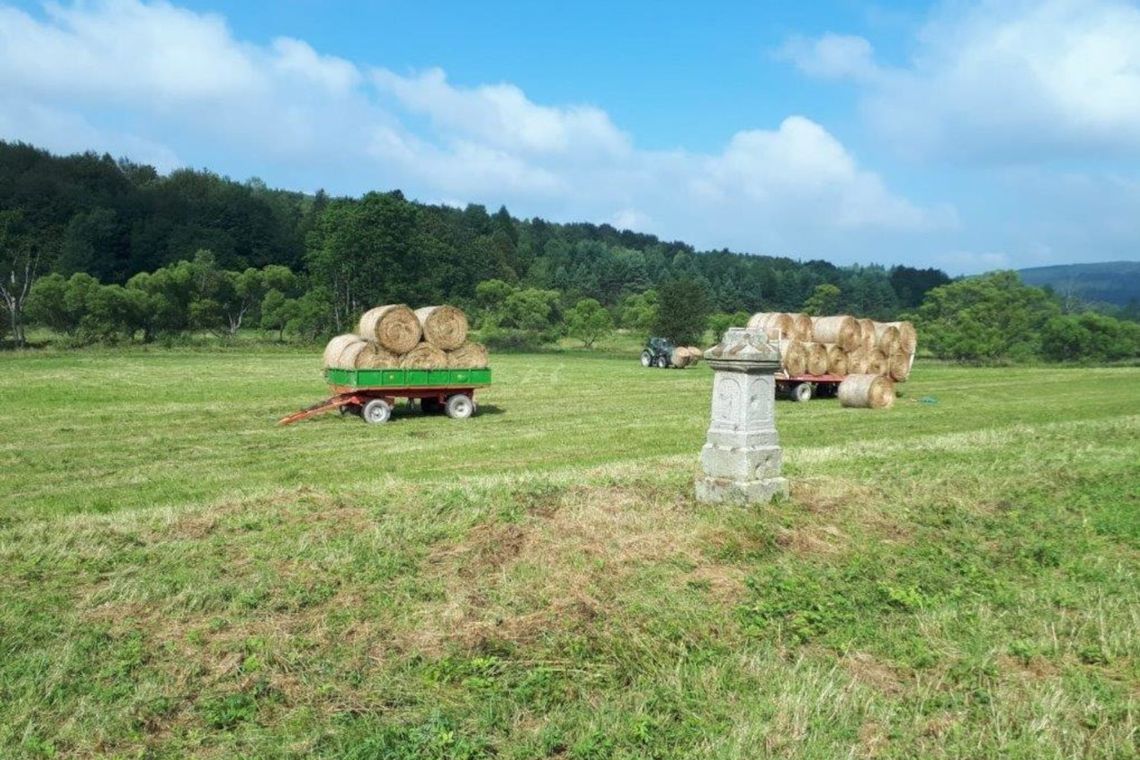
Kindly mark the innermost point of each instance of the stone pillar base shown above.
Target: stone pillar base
(725, 491)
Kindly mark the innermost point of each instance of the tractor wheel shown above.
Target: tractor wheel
(663, 362)
(646, 359)
(376, 411)
(460, 407)
(802, 392)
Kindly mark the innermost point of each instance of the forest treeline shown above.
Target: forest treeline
(101, 249)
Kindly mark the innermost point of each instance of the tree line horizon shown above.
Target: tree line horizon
(105, 249)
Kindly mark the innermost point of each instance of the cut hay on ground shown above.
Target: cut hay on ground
(816, 359)
(374, 356)
(836, 360)
(908, 336)
(793, 357)
(445, 327)
(423, 356)
(867, 392)
(843, 331)
(886, 338)
(395, 327)
(336, 346)
(898, 366)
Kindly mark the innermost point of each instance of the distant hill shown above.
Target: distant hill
(1114, 282)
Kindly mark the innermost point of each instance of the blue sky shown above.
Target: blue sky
(963, 135)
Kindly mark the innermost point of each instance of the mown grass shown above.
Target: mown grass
(956, 577)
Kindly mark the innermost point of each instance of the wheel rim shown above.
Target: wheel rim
(645, 360)
(463, 408)
(376, 412)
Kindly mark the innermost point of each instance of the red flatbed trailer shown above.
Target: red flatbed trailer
(805, 387)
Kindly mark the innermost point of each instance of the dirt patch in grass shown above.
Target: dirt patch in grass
(567, 563)
(870, 671)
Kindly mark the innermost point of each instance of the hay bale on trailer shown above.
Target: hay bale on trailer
(801, 327)
(776, 325)
(898, 366)
(335, 346)
(348, 357)
(468, 356)
(793, 357)
(816, 359)
(375, 356)
(395, 327)
(866, 392)
(445, 327)
(866, 334)
(908, 336)
(878, 363)
(423, 356)
(836, 359)
(886, 338)
(843, 331)
(857, 362)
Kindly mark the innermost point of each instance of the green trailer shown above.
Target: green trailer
(372, 393)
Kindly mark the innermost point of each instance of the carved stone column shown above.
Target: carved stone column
(741, 458)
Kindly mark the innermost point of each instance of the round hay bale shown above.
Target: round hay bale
(866, 334)
(680, 357)
(878, 363)
(444, 327)
(336, 345)
(793, 357)
(776, 325)
(468, 356)
(801, 326)
(375, 356)
(843, 331)
(395, 327)
(866, 392)
(695, 354)
(886, 338)
(857, 362)
(898, 366)
(348, 357)
(424, 356)
(816, 359)
(836, 360)
(908, 336)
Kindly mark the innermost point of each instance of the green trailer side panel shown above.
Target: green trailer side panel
(408, 378)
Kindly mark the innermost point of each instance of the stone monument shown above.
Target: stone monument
(741, 458)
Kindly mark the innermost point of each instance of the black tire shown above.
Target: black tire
(376, 412)
(663, 362)
(802, 393)
(460, 406)
(646, 359)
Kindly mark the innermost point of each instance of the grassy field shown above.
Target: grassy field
(955, 577)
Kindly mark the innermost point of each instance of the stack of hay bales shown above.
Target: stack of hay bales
(396, 337)
(684, 356)
(840, 345)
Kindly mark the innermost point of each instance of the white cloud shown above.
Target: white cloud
(1008, 81)
(832, 56)
(173, 77)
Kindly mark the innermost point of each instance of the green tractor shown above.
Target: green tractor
(658, 353)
